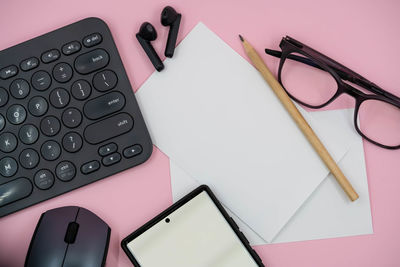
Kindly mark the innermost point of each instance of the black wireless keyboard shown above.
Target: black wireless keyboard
(68, 115)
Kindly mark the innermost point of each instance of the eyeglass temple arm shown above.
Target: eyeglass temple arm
(347, 75)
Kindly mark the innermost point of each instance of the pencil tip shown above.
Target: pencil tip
(241, 38)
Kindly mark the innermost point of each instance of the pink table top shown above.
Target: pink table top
(363, 35)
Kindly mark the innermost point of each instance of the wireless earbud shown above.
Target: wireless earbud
(169, 17)
(146, 34)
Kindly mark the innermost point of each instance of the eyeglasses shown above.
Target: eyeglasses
(315, 80)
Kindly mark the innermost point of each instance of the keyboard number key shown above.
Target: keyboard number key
(19, 89)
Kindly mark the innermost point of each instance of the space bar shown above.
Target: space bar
(14, 190)
(108, 128)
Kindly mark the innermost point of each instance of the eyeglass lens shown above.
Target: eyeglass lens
(308, 84)
(377, 120)
(380, 122)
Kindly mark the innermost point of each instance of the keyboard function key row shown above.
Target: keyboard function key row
(71, 48)
(50, 56)
(29, 64)
(8, 72)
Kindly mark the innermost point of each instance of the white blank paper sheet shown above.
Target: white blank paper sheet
(212, 113)
(327, 213)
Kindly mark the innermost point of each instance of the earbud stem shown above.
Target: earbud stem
(151, 53)
(172, 36)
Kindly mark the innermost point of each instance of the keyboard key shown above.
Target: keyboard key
(72, 142)
(132, 151)
(108, 128)
(16, 114)
(62, 72)
(3, 97)
(50, 56)
(71, 48)
(50, 126)
(15, 190)
(72, 117)
(44, 179)
(50, 150)
(65, 171)
(38, 106)
(8, 72)
(2, 122)
(105, 80)
(8, 142)
(91, 61)
(29, 64)
(90, 167)
(104, 105)
(41, 80)
(28, 134)
(8, 167)
(19, 88)
(111, 159)
(59, 98)
(92, 40)
(107, 149)
(81, 89)
(29, 158)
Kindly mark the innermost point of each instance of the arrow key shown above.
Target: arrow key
(132, 151)
(90, 167)
(111, 159)
(107, 149)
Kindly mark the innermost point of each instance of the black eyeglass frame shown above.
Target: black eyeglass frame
(339, 72)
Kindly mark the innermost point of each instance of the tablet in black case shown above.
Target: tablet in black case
(195, 231)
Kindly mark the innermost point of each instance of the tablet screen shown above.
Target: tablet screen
(195, 235)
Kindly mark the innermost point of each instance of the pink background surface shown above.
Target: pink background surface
(363, 35)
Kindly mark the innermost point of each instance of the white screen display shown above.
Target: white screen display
(197, 235)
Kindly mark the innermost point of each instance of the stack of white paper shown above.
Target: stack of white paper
(221, 125)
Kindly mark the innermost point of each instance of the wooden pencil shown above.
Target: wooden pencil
(299, 119)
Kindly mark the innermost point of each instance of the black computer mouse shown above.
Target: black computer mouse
(69, 237)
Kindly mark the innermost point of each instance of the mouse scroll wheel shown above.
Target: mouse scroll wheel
(72, 230)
